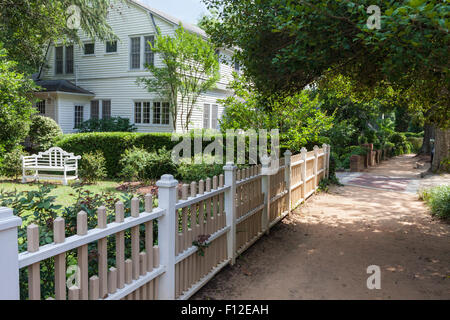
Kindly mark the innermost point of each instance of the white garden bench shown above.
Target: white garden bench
(52, 160)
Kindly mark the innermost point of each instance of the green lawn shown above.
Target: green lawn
(63, 193)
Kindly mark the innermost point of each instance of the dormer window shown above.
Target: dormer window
(64, 60)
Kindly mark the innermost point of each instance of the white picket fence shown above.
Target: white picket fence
(233, 210)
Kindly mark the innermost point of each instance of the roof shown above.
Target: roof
(173, 20)
(61, 86)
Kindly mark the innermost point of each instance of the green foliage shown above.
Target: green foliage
(114, 124)
(16, 105)
(12, 163)
(113, 145)
(401, 144)
(298, 42)
(92, 167)
(188, 171)
(190, 69)
(27, 27)
(416, 144)
(298, 117)
(38, 207)
(134, 164)
(160, 163)
(43, 133)
(438, 198)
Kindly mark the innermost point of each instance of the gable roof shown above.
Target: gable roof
(171, 19)
(61, 86)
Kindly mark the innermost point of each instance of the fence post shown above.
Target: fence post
(287, 177)
(167, 198)
(9, 255)
(316, 162)
(303, 172)
(328, 160)
(230, 209)
(325, 159)
(265, 186)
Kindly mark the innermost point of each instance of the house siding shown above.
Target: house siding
(108, 75)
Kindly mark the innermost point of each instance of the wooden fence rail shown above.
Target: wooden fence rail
(201, 228)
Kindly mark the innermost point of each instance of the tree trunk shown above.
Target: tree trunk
(442, 150)
(429, 133)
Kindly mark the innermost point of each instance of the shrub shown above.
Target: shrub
(92, 167)
(43, 134)
(12, 164)
(188, 172)
(114, 124)
(134, 164)
(160, 163)
(416, 143)
(414, 135)
(114, 144)
(438, 199)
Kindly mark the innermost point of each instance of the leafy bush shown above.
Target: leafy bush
(416, 143)
(12, 164)
(92, 167)
(401, 144)
(160, 163)
(113, 145)
(16, 104)
(43, 133)
(438, 199)
(114, 124)
(188, 172)
(134, 164)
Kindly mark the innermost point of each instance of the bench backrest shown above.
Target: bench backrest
(54, 157)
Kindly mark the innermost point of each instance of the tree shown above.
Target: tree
(190, 69)
(16, 105)
(28, 27)
(286, 45)
(298, 118)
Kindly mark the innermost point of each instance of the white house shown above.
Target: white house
(98, 79)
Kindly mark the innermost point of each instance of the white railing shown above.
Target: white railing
(208, 227)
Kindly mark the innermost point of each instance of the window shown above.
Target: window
(165, 113)
(40, 106)
(69, 59)
(89, 48)
(156, 113)
(237, 67)
(206, 116)
(79, 115)
(111, 46)
(135, 53)
(59, 60)
(149, 56)
(95, 110)
(210, 116)
(138, 112)
(214, 116)
(217, 53)
(146, 111)
(106, 109)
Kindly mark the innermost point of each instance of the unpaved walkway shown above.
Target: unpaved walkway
(323, 249)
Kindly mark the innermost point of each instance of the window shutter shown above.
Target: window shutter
(206, 116)
(214, 116)
(135, 53)
(59, 60)
(106, 109)
(94, 109)
(69, 59)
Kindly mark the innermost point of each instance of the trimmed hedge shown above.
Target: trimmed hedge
(114, 144)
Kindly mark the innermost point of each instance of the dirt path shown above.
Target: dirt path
(323, 249)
